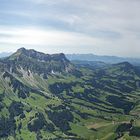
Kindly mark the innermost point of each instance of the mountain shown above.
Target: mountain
(105, 59)
(89, 64)
(37, 62)
(46, 96)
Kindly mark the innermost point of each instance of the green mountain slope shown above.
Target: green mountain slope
(46, 97)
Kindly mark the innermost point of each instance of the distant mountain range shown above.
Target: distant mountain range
(5, 54)
(105, 59)
(92, 57)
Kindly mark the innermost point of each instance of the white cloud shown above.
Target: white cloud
(103, 26)
(45, 37)
(52, 41)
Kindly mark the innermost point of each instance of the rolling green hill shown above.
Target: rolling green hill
(46, 97)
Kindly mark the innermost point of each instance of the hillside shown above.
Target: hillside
(47, 97)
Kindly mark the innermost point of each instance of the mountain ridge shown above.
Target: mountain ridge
(40, 99)
(95, 58)
(37, 62)
(102, 58)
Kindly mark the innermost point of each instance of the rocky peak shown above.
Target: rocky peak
(38, 62)
(39, 55)
(21, 50)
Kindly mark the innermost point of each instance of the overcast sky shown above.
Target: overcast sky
(103, 27)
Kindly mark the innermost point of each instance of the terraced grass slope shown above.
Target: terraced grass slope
(46, 97)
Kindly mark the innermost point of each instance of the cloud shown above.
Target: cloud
(104, 27)
(45, 37)
(50, 41)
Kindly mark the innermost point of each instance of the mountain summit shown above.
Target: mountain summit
(39, 55)
(37, 62)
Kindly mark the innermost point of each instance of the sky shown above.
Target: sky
(101, 27)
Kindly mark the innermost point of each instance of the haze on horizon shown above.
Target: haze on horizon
(105, 27)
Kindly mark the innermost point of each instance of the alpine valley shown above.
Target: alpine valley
(47, 97)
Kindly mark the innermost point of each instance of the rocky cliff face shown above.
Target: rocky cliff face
(37, 62)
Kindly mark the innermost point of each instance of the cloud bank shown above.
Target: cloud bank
(105, 27)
